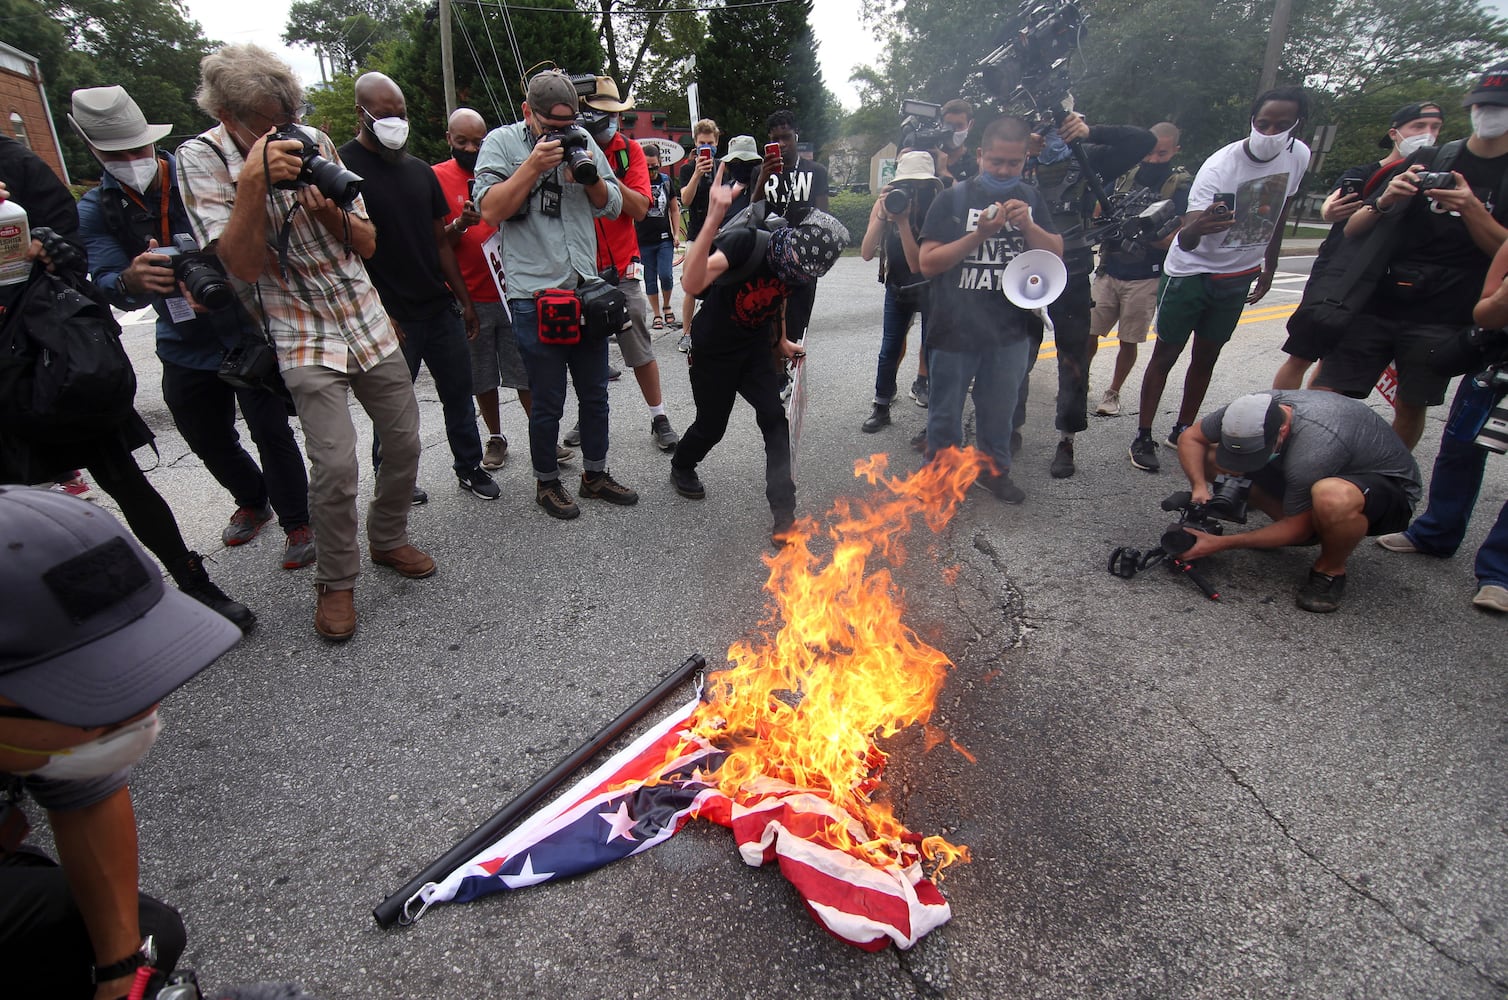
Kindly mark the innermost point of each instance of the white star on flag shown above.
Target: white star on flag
(526, 875)
(621, 822)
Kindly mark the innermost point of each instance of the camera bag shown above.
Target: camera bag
(559, 316)
(604, 310)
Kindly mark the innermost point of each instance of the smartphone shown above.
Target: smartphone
(773, 149)
(1223, 204)
(1350, 186)
(704, 152)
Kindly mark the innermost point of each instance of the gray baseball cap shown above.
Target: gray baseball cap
(1248, 433)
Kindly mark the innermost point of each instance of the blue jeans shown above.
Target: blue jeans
(440, 343)
(548, 365)
(659, 267)
(1453, 489)
(997, 373)
(900, 306)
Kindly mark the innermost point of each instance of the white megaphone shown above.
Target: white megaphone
(1034, 279)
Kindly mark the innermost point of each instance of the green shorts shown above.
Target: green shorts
(1206, 305)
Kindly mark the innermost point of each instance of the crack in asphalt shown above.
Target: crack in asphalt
(1211, 748)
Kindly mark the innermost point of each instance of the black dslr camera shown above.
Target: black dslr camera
(1435, 180)
(330, 178)
(200, 271)
(897, 200)
(573, 145)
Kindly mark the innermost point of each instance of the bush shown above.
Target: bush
(852, 209)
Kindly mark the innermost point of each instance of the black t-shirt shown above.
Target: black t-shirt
(1436, 271)
(697, 206)
(898, 273)
(655, 227)
(403, 199)
(1129, 267)
(793, 192)
(732, 317)
(969, 311)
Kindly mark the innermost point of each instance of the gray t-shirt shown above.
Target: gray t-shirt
(541, 251)
(1332, 435)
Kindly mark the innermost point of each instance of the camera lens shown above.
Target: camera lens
(333, 181)
(896, 201)
(582, 167)
(207, 287)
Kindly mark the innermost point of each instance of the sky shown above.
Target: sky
(843, 42)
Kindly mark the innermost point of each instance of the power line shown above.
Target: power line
(639, 10)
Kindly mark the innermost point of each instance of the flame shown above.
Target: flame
(805, 704)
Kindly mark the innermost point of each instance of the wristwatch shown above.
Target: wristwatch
(143, 956)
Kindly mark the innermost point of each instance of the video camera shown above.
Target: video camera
(330, 178)
(1227, 504)
(1136, 220)
(922, 126)
(1032, 49)
(200, 271)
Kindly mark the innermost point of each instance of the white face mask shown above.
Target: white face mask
(138, 175)
(959, 138)
(1408, 147)
(110, 753)
(1489, 120)
(1265, 147)
(391, 132)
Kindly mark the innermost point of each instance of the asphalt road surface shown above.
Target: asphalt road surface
(1171, 797)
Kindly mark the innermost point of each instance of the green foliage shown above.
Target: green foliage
(853, 209)
(647, 44)
(756, 60)
(486, 79)
(347, 32)
(333, 108)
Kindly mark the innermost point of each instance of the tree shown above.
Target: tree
(638, 35)
(347, 32)
(756, 60)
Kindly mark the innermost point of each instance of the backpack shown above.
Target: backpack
(63, 371)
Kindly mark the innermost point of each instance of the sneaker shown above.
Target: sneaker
(563, 455)
(1175, 434)
(1143, 452)
(879, 417)
(687, 483)
(613, 374)
(1398, 541)
(1110, 405)
(1320, 593)
(419, 497)
(602, 486)
(1004, 490)
(478, 483)
(684, 344)
(496, 453)
(572, 438)
(1062, 461)
(298, 549)
(665, 438)
(1491, 597)
(195, 582)
(919, 390)
(75, 486)
(919, 440)
(244, 524)
(552, 496)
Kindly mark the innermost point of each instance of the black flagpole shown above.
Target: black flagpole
(394, 908)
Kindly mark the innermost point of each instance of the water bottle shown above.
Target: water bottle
(15, 239)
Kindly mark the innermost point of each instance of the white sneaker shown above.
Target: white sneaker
(1397, 542)
(1491, 597)
(1111, 405)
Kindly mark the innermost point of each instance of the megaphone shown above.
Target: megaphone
(1034, 279)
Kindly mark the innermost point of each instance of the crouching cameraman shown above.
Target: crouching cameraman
(1324, 467)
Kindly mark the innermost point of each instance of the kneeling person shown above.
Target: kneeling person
(1321, 466)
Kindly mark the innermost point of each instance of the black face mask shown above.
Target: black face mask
(741, 171)
(465, 157)
(1153, 175)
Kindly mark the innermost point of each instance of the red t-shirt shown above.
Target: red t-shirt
(618, 239)
(454, 181)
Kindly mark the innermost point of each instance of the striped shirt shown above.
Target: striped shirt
(325, 311)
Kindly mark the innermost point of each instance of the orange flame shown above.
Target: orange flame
(805, 705)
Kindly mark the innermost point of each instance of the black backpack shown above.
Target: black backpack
(63, 371)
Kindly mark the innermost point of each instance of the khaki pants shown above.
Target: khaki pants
(387, 395)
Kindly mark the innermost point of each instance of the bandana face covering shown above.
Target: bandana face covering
(799, 255)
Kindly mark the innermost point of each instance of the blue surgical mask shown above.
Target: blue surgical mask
(1054, 150)
(610, 131)
(997, 187)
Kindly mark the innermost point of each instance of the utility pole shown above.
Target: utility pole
(447, 60)
(1281, 11)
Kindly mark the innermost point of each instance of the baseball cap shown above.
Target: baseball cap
(91, 635)
(111, 121)
(1408, 113)
(1248, 432)
(742, 147)
(550, 88)
(1491, 89)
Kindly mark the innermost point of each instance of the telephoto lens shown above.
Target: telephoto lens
(897, 200)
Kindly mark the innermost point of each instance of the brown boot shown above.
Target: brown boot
(407, 560)
(334, 612)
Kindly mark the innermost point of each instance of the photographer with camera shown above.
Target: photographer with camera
(91, 643)
(546, 206)
(1056, 172)
(130, 223)
(1322, 466)
(1477, 425)
(270, 198)
(1452, 204)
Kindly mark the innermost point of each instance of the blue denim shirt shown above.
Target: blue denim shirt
(199, 343)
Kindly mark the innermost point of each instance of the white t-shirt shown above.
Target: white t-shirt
(1261, 189)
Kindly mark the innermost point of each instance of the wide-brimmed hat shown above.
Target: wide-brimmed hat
(1249, 432)
(90, 635)
(1491, 89)
(110, 121)
(606, 97)
(916, 165)
(742, 147)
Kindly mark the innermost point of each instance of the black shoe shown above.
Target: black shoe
(602, 486)
(1321, 593)
(879, 417)
(919, 440)
(687, 483)
(552, 496)
(665, 438)
(1143, 452)
(419, 497)
(195, 582)
(572, 438)
(1004, 490)
(1062, 461)
(478, 483)
(1175, 434)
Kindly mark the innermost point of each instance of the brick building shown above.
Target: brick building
(24, 115)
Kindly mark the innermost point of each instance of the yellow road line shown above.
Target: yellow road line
(1258, 315)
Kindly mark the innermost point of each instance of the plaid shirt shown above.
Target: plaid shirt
(325, 312)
